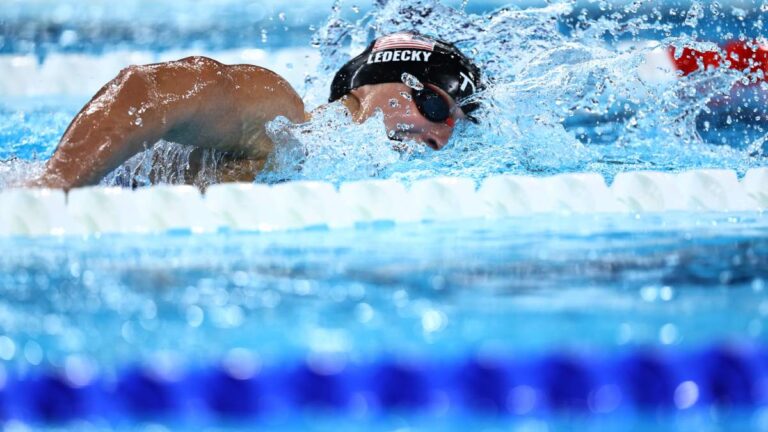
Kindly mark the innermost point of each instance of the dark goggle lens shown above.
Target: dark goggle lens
(431, 105)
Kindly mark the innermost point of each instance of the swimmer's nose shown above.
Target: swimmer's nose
(434, 140)
(437, 141)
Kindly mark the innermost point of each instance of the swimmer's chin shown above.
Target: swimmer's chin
(400, 146)
(405, 145)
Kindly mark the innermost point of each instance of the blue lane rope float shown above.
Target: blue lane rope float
(641, 380)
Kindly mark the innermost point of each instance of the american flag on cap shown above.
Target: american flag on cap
(403, 41)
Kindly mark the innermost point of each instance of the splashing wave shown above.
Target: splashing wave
(570, 89)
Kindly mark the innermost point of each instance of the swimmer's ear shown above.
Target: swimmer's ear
(353, 102)
(356, 95)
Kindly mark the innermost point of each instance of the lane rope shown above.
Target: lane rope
(302, 204)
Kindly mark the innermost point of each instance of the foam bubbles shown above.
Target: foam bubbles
(567, 91)
(411, 81)
(331, 146)
(564, 101)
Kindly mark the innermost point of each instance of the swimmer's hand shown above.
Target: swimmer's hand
(196, 101)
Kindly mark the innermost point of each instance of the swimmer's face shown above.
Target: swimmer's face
(401, 116)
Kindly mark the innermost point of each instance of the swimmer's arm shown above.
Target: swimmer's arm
(195, 101)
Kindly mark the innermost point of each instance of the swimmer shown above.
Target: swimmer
(202, 103)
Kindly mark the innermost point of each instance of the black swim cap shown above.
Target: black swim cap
(430, 60)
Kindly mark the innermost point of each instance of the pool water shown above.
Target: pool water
(598, 292)
(539, 322)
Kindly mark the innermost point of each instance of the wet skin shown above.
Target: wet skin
(403, 118)
(200, 102)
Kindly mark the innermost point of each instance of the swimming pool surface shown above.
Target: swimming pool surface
(537, 322)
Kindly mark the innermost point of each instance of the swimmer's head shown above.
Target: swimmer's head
(422, 85)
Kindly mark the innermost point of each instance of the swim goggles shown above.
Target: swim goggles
(434, 107)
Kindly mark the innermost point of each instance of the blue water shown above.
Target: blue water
(568, 275)
(565, 97)
(595, 291)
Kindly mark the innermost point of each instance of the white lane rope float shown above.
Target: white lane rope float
(302, 204)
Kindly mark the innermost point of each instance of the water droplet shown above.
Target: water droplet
(79, 370)
(686, 395)
(605, 399)
(758, 285)
(668, 334)
(7, 348)
(411, 81)
(433, 320)
(522, 399)
(195, 316)
(33, 352)
(364, 312)
(241, 364)
(666, 293)
(649, 293)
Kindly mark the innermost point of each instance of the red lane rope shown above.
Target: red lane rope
(739, 55)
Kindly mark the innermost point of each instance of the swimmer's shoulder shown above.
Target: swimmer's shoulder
(241, 99)
(273, 91)
(249, 87)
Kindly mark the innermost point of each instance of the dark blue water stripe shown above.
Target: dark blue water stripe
(638, 381)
